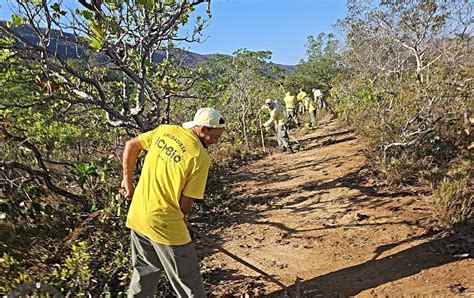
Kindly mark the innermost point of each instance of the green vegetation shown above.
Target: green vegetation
(407, 90)
(403, 81)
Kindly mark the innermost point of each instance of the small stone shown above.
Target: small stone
(360, 216)
(457, 289)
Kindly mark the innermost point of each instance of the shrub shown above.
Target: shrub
(453, 201)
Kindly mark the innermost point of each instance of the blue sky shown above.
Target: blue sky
(279, 26)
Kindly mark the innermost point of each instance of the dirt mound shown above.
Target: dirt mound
(319, 216)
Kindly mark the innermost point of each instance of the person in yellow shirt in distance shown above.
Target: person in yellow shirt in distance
(309, 106)
(291, 105)
(301, 95)
(300, 108)
(174, 174)
(279, 121)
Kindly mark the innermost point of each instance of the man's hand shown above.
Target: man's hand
(126, 189)
(185, 204)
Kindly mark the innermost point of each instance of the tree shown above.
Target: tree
(322, 65)
(404, 53)
(248, 80)
(126, 34)
(117, 80)
(73, 84)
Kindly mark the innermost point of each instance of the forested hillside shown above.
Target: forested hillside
(397, 74)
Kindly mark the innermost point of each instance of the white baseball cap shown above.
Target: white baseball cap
(208, 117)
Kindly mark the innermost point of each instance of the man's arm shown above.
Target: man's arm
(185, 203)
(261, 109)
(130, 155)
(272, 118)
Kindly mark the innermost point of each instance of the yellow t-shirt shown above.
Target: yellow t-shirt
(308, 104)
(301, 95)
(176, 163)
(289, 101)
(277, 115)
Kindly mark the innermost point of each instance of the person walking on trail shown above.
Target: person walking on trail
(309, 106)
(301, 95)
(318, 98)
(290, 105)
(278, 119)
(300, 108)
(174, 174)
(300, 100)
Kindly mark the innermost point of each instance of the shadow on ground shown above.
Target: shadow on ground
(430, 254)
(305, 197)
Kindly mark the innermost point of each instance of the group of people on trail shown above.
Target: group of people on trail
(174, 174)
(284, 117)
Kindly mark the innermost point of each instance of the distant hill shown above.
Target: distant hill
(67, 46)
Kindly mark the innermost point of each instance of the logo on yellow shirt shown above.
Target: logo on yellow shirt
(168, 149)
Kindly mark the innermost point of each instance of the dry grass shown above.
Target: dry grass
(454, 201)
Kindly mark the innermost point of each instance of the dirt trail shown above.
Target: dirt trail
(319, 216)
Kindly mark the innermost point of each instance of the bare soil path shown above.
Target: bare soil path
(318, 215)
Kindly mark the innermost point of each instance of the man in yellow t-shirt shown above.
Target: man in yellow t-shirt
(290, 105)
(299, 99)
(278, 119)
(309, 106)
(301, 95)
(174, 174)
